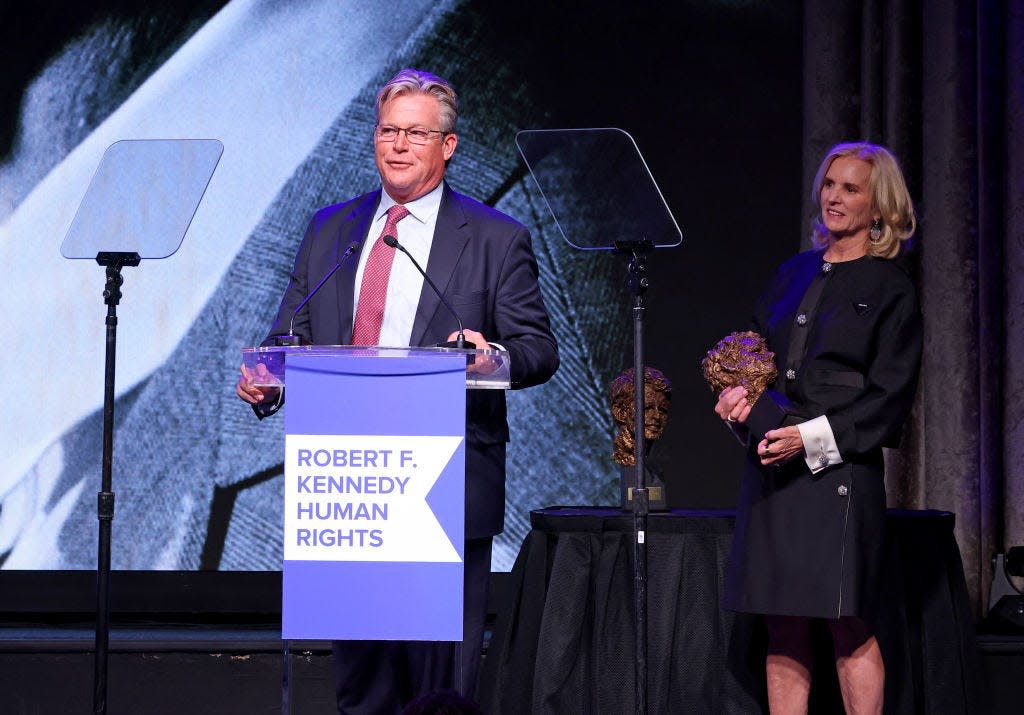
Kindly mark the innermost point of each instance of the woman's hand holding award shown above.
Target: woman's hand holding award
(743, 358)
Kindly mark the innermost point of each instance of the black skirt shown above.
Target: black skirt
(808, 545)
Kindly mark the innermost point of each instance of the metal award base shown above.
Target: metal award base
(655, 489)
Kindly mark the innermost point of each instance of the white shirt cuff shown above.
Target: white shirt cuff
(820, 448)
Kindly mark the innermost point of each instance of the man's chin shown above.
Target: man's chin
(396, 182)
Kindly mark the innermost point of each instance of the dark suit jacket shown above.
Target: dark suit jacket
(863, 348)
(483, 262)
(812, 545)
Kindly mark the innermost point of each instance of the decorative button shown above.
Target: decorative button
(801, 319)
(826, 267)
(791, 374)
(823, 459)
(843, 491)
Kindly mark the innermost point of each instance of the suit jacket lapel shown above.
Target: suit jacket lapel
(451, 233)
(354, 229)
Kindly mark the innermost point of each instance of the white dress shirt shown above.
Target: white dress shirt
(820, 448)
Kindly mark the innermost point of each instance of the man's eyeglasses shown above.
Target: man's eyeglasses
(415, 135)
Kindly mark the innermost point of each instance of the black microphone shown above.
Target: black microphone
(460, 341)
(291, 338)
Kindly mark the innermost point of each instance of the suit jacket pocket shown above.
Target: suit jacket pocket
(471, 309)
(478, 296)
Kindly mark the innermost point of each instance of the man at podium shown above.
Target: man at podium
(483, 263)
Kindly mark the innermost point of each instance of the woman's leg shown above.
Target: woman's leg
(789, 664)
(859, 666)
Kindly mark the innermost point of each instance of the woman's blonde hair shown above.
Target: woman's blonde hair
(889, 197)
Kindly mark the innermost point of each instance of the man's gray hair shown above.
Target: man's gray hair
(411, 80)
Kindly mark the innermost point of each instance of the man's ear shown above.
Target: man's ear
(448, 145)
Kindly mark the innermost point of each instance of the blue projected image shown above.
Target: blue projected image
(288, 89)
(197, 477)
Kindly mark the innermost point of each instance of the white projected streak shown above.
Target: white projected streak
(264, 77)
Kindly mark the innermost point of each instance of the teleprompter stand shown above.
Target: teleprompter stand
(597, 185)
(139, 204)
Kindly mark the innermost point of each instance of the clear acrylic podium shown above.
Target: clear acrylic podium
(374, 487)
(486, 369)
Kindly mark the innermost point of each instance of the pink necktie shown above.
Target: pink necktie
(374, 289)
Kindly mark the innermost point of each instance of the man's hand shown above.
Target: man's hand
(483, 365)
(473, 339)
(248, 391)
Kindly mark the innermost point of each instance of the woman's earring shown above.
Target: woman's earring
(876, 231)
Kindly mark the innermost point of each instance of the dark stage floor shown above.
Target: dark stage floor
(210, 642)
(161, 666)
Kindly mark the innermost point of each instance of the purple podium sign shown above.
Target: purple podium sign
(374, 496)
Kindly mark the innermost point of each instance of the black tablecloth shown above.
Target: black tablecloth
(564, 641)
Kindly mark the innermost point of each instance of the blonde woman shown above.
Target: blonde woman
(844, 324)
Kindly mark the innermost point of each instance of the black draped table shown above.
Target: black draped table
(563, 642)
